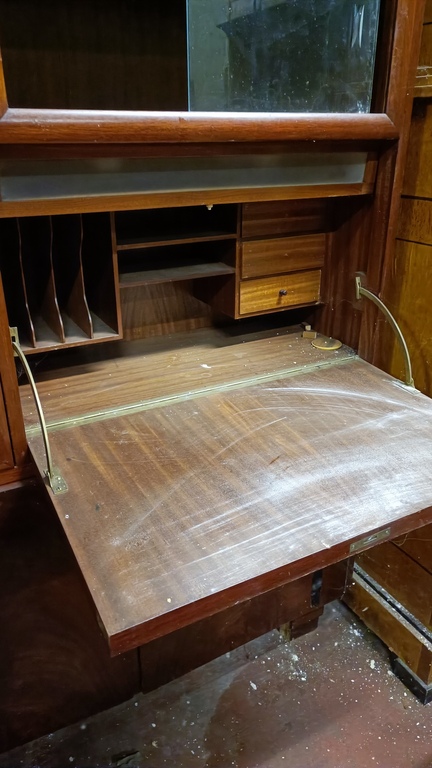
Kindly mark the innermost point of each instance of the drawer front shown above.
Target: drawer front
(284, 217)
(271, 293)
(282, 254)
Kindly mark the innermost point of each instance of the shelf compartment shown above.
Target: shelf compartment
(100, 271)
(147, 228)
(173, 263)
(68, 270)
(45, 263)
(13, 282)
(173, 274)
(36, 241)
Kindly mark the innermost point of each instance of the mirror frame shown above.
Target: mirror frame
(394, 66)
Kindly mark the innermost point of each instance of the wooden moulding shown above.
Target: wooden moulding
(86, 126)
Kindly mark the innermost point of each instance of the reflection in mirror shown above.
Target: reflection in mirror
(281, 55)
(208, 55)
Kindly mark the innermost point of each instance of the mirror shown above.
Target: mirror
(201, 55)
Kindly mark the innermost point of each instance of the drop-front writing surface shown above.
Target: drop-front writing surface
(182, 508)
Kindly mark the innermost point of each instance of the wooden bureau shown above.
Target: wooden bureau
(158, 268)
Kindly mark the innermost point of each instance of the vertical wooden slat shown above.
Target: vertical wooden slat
(13, 283)
(68, 271)
(10, 387)
(36, 247)
(30, 325)
(3, 95)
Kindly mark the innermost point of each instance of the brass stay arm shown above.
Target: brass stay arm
(55, 480)
(361, 291)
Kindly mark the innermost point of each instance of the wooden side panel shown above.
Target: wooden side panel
(415, 222)
(418, 179)
(3, 96)
(348, 252)
(54, 666)
(423, 85)
(394, 570)
(6, 455)
(428, 12)
(418, 545)
(408, 297)
(400, 636)
(9, 385)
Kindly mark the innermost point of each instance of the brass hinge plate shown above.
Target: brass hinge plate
(369, 541)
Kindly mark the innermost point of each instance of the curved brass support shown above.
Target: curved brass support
(361, 291)
(55, 480)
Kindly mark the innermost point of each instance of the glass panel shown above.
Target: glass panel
(44, 179)
(210, 55)
(281, 55)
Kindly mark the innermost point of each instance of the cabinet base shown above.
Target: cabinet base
(418, 687)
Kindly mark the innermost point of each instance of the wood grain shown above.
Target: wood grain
(6, 455)
(405, 580)
(54, 667)
(121, 374)
(171, 656)
(423, 85)
(415, 221)
(391, 166)
(282, 254)
(408, 297)
(29, 126)
(418, 545)
(211, 501)
(125, 202)
(3, 95)
(93, 56)
(162, 307)
(391, 627)
(283, 217)
(417, 181)
(427, 19)
(268, 294)
(11, 398)
(348, 252)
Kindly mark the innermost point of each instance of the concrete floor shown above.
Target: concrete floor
(327, 700)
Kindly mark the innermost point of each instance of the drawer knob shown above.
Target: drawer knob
(283, 292)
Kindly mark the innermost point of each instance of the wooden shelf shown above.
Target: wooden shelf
(172, 274)
(137, 243)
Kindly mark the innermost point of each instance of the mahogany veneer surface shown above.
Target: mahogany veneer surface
(181, 510)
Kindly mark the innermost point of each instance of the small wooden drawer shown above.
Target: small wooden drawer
(272, 293)
(282, 254)
(283, 217)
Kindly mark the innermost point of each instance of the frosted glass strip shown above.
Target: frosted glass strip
(41, 180)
